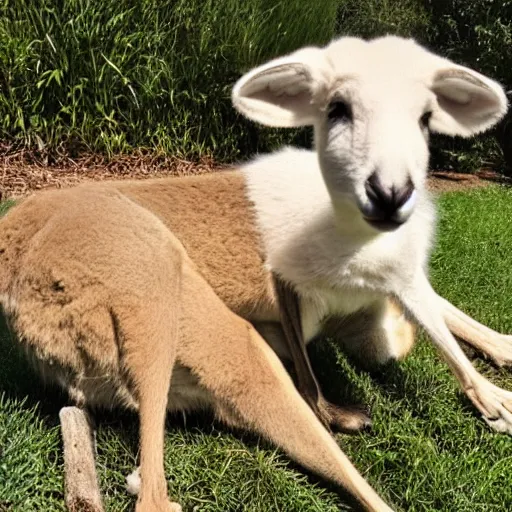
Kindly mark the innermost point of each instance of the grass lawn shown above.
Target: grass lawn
(428, 450)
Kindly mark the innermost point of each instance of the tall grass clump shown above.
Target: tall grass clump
(477, 34)
(373, 18)
(110, 76)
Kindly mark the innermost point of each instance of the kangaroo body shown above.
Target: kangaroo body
(230, 254)
(107, 302)
(155, 295)
(259, 229)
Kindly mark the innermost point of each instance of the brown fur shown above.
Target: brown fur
(109, 303)
(229, 255)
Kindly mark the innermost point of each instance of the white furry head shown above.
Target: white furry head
(372, 105)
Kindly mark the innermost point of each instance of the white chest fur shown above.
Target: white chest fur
(336, 266)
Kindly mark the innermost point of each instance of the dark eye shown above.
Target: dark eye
(339, 111)
(425, 119)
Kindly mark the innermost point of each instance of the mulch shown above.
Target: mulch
(449, 181)
(21, 174)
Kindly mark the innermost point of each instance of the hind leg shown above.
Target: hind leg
(251, 388)
(271, 406)
(374, 336)
(150, 335)
(98, 293)
(345, 419)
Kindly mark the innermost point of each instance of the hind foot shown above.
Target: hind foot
(133, 485)
(348, 419)
(158, 506)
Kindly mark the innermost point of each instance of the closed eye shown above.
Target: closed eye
(339, 110)
(425, 120)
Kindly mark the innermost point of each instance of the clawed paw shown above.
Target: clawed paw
(499, 425)
(495, 404)
(502, 355)
(349, 419)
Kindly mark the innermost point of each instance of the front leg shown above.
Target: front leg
(346, 419)
(426, 307)
(495, 345)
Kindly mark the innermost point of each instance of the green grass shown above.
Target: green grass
(108, 77)
(428, 450)
(111, 76)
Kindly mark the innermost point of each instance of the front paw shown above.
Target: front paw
(494, 403)
(502, 355)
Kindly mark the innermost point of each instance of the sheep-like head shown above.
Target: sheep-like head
(372, 105)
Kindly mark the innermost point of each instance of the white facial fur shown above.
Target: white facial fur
(322, 239)
(392, 92)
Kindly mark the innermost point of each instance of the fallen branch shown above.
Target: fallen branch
(82, 493)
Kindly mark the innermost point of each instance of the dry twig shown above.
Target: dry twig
(82, 493)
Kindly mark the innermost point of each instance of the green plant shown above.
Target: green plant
(373, 18)
(477, 34)
(111, 76)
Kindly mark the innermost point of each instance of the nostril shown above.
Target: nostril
(376, 191)
(387, 198)
(388, 204)
(402, 195)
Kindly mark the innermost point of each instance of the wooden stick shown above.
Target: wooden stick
(82, 492)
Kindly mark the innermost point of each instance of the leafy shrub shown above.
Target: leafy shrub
(110, 76)
(373, 18)
(477, 34)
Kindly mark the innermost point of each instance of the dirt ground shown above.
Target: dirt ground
(20, 176)
(449, 181)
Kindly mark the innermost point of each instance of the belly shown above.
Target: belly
(322, 304)
(185, 393)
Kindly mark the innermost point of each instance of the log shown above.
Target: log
(82, 492)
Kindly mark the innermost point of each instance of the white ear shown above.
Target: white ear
(468, 102)
(280, 93)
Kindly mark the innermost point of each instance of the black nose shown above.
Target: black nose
(385, 202)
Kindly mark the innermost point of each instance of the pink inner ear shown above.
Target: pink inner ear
(287, 78)
(454, 93)
(278, 96)
(468, 103)
(467, 100)
(283, 99)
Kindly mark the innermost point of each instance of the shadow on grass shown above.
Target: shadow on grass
(344, 382)
(338, 387)
(18, 381)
